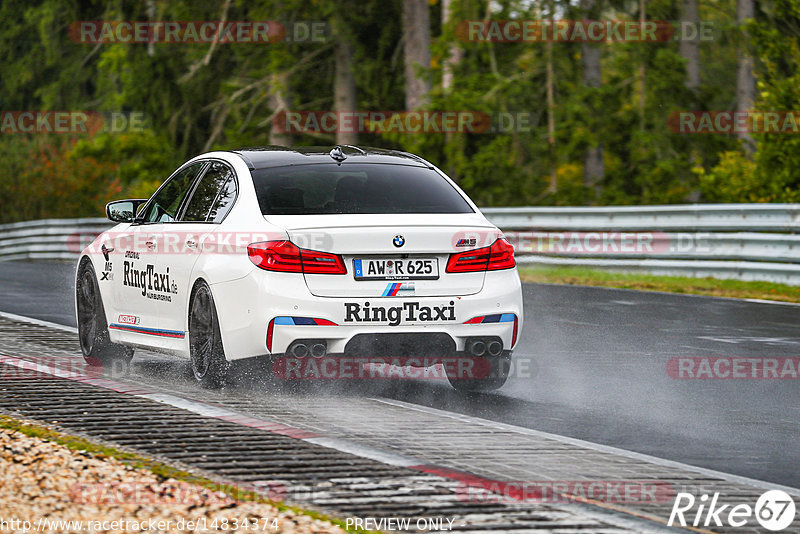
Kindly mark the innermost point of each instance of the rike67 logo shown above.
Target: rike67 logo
(774, 510)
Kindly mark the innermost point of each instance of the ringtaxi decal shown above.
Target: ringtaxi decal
(154, 285)
(409, 312)
(774, 510)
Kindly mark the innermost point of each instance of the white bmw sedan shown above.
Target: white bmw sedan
(305, 253)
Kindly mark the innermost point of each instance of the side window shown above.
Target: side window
(224, 202)
(163, 207)
(214, 195)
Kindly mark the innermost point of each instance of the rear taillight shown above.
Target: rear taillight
(270, 330)
(315, 262)
(283, 256)
(494, 258)
(501, 255)
(514, 335)
(286, 257)
(468, 262)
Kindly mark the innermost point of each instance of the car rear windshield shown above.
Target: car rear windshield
(355, 188)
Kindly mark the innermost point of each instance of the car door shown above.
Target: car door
(116, 278)
(207, 205)
(133, 251)
(142, 285)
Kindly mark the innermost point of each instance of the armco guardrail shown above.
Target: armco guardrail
(744, 241)
(48, 239)
(682, 217)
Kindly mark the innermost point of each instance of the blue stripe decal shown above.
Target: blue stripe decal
(284, 320)
(304, 321)
(143, 330)
(389, 290)
(496, 318)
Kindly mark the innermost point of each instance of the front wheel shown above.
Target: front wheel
(96, 346)
(208, 362)
(496, 372)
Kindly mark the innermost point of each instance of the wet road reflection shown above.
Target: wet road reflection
(592, 364)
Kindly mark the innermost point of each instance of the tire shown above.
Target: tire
(95, 342)
(207, 356)
(499, 368)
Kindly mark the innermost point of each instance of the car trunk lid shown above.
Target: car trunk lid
(380, 250)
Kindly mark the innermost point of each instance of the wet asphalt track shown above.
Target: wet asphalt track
(598, 360)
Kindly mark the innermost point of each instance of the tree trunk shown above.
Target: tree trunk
(417, 47)
(345, 90)
(592, 74)
(745, 80)
(278, 102)
(454, 52)
(690, 48)
(642, 71)
(150, 9)
(551, 109)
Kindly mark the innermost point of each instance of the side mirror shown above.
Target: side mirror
(124, 211)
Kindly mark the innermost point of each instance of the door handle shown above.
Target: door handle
(191, 243)
(149, 244)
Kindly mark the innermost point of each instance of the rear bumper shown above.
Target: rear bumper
(249, 305)
(338, 338)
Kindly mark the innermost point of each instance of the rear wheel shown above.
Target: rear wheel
(497, 374)
(208, 362)
(95, 342)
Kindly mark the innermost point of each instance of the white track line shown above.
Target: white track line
(15, 317)
(594, 446)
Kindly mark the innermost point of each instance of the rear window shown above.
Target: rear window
(355, 188)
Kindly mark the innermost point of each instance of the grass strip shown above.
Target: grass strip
(670, 284)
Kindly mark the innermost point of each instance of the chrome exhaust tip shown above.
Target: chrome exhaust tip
(318, 350)
(299, 350)
(477, 348)
(494, 348)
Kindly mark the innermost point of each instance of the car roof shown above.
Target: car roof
(276, 156)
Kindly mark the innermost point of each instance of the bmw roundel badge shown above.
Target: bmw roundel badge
(399, 241)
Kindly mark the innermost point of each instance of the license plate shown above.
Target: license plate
(396, 269)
